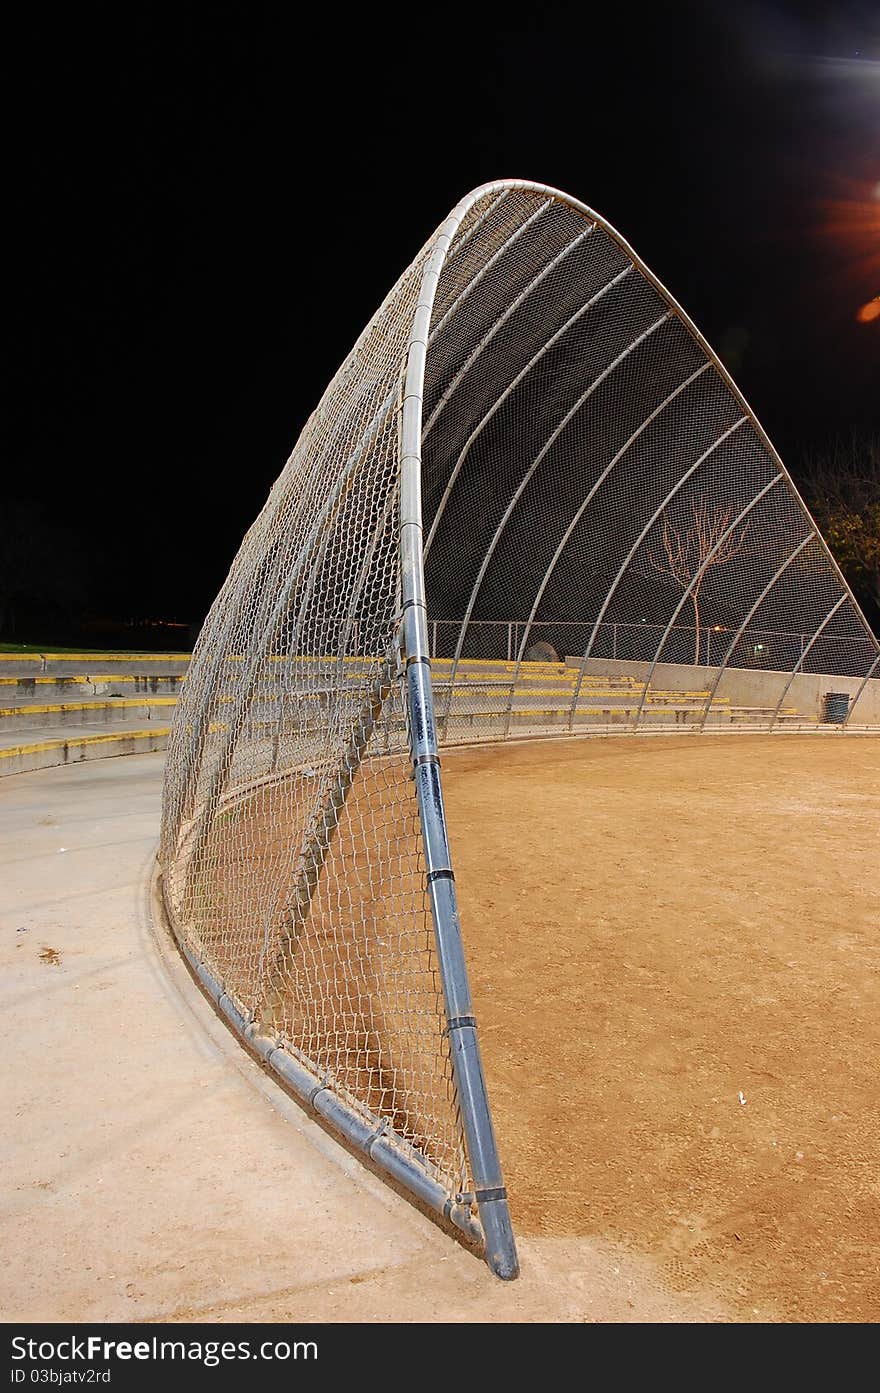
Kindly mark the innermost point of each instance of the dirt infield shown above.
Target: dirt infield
(675, 955)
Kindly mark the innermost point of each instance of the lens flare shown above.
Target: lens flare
(850, 221)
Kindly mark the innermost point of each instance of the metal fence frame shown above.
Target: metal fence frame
(413, 649)
(491, 1195)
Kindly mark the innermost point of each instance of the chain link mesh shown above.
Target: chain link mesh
(593, 488)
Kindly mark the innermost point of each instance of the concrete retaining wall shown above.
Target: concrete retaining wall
(748, 686)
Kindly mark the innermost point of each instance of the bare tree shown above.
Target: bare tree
(842, 487)
(690, 552)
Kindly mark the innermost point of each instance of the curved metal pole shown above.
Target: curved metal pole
(419, 699)
(371, 430)
(577, 206)
(391, 1152)
(871, 670)
(242, 700)
(351, 621)
(478, 431)
(316, 843)
(487, 266)
(192, 737)
(634, 548)
(799, 664)
(511, 387)
(525, 185)
(592, 493)
(547, 446)
(369, 434)
(420, 702)
(195, 744)
(238, 715)
(506, 187)
(383, 410)
(579, 514)
(695, 578)
(490, 1194)
(811, 536)
(360, 580)
(497, 325)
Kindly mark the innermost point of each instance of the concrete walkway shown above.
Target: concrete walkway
(151, 1171)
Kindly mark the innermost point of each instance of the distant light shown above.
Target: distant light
(852, 220)
(869, 311)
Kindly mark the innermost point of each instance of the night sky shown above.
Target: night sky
(207, 204)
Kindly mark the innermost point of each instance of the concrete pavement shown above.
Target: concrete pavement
(151, 1171)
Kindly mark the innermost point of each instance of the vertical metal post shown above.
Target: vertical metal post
(545, 271)
(490, 1194)
(868, 675)
(799, 664)
(594, 489)
(546, 447)
(744, 625)
(512, 385)
(694, 581)
(679, 484)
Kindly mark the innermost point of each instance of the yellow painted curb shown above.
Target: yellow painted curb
(120, 704)
(94, 657)
(48, 745)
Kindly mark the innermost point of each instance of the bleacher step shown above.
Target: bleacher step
(36, 716)
(58, 747)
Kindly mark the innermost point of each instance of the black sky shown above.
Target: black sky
(206, 205)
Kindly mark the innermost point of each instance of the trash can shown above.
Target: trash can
(835, 708)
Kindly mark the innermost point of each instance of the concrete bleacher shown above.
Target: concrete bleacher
(36, 716)
(542, 697)
(66, 708)
(18, 691)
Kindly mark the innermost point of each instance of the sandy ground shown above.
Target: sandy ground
(674, 947)
(149, 1170)
(654, 926)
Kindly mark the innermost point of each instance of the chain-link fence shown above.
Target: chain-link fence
(532, 473)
